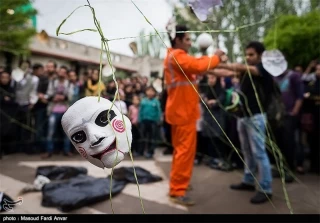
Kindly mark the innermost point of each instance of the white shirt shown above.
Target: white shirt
(26, 92)
(308, 77)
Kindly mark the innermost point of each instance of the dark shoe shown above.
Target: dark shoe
(167, 151)
(300, 170)
(213, 166)
(148, 156)
(136, 154)
(222, 165)
(243, 186)
(69, 154)
(183, 200)
(197, 162)
(215, 161)
(260, 198)
(46, 155)
(288, 178)
(275, 173)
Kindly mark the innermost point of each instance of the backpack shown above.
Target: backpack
(275, 108)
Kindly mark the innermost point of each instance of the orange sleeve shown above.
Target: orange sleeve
(192, 65)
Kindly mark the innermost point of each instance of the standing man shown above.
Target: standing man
(291, 88)
(252, 124)
(40, 108)
(77, 87)
(182, 109)
(26, 98)
(59, 94)
(51, 70)
(313, 94)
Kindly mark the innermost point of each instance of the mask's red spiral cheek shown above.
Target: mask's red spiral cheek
(118, 126)
(82, 152)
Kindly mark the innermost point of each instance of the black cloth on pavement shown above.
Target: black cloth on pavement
(71, 188)
(60, 172)
(127, 174)
(77, 192)
(6, 203)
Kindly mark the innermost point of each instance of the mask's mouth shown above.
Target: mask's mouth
(109, 149)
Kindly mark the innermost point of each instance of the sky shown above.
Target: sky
(118, 18)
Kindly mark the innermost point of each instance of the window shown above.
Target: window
(154, 74)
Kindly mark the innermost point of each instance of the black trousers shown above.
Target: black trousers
(201, 150)
(136, 143)
(210, 146)
(149, 136)
(41, 127)
(214, 147)
(8, 129)
(24, 141)
(314, 143)
(232, 133)
(285, 137)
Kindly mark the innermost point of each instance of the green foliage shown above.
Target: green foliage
(237, 13)
(16, 26)
(314, 4)
(297, 37)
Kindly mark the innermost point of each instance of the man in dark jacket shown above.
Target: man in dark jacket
(8, 108)
(40, 108)
(313, 94)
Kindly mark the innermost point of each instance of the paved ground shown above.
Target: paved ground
(211, 190)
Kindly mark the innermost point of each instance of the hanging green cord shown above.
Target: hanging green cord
(236, 30)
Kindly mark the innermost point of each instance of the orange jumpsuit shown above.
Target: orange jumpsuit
(182, 111)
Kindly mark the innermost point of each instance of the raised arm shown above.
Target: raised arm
(193, 65)
(240, 68)
(311, 65)
(223, 72)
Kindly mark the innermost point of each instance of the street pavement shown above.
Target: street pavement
(210, 189)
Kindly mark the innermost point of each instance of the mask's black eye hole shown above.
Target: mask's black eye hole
(102, 119)
(79, 137)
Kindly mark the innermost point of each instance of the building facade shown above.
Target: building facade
(80, 57)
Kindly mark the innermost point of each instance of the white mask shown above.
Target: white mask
(274, 62)
(102, 143)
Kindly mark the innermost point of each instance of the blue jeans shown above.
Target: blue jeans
(252, 139)
(54, 119)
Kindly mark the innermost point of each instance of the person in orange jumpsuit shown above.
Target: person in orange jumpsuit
(182, 109)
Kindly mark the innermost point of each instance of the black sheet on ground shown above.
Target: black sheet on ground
(126, 174)
(6, 202)
(60, 172)
(71, 188)
(78, 192)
